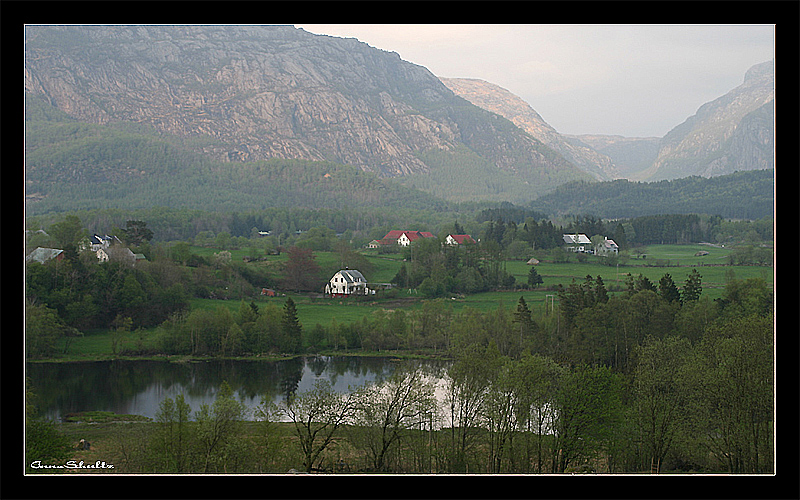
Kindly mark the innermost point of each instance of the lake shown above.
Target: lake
(138, 387)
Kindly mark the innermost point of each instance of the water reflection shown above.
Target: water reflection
(138, 387)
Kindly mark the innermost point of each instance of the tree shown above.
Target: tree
(291, 329)
(523, 323)
(302, 271)
(172, 442)
(69, 232)
(470, 377)
(317, 415)
(218, 426)
(668, 290)
(135, 233)
(588, 404)
(692, 288)
(661, 393)
(735, 379)
(537, 378)
(43, 329)
(534, 279)
(44, 444)
(385, 412)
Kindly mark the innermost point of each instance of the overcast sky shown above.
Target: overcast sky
(629, 80)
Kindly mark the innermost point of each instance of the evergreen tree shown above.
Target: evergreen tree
(292, 330)
(692, 288)
(534, 279)
(667, 289)
(600, 292)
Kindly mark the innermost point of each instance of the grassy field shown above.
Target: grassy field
(657, 260)
(677, 260)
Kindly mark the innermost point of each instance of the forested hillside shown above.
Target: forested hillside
(741, 195)
(78, 166)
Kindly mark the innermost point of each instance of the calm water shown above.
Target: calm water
(138, 387)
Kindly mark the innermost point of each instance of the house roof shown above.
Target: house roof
(579, 239)
(609, 243)
(411, 235)
(462, 238)
(351, 275)
(42, 255)
(394, 234)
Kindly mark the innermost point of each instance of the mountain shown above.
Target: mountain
(71, 165)
(498, 100)
(242, 94)
(731, 133)
(630, 155)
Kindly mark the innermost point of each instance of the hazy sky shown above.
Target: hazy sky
(630, 80)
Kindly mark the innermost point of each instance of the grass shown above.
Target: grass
(314, 310)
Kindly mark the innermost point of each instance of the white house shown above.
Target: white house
(347, 282)
(458, 239)
(608, 247)
(577, 242)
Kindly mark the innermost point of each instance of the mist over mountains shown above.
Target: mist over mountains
(231, 116)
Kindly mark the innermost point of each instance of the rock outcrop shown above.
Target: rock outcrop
(246, 93)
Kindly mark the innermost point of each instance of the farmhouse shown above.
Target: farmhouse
(458, 239)
(347, 282)
(399, 237)
(577, 242)
(608, 247)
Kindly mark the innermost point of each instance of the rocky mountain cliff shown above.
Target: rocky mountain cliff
(247, 93)
(498, 100)
(733, 132)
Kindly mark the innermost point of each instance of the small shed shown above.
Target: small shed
(269, 292)
(533, 262)
(701, 253)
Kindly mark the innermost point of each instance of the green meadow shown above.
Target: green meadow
(652, 262)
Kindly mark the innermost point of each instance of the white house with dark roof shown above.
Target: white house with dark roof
(608, 247)
(578, 242)
(347, 282)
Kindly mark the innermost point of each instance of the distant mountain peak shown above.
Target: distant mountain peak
(734, 132)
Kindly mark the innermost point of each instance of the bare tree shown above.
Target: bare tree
(317, 415)
(386, 411)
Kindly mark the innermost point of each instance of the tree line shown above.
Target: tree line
(693, 394)
(740, 195)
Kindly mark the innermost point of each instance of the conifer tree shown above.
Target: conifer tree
(692, 288)
(292, 330)
(667, 289)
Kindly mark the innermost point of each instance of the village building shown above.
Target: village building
(458, 239)
(400, 237)
(347, 282)
(578, 243)
(608, 247)
(42, 255)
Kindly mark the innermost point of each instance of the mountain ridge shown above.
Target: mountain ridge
(249, 93)
(734, 132)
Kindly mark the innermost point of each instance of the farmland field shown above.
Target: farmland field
(653, 262)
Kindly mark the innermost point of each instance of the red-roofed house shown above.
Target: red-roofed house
(399, 237)
(408, 237)
(458, 239)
